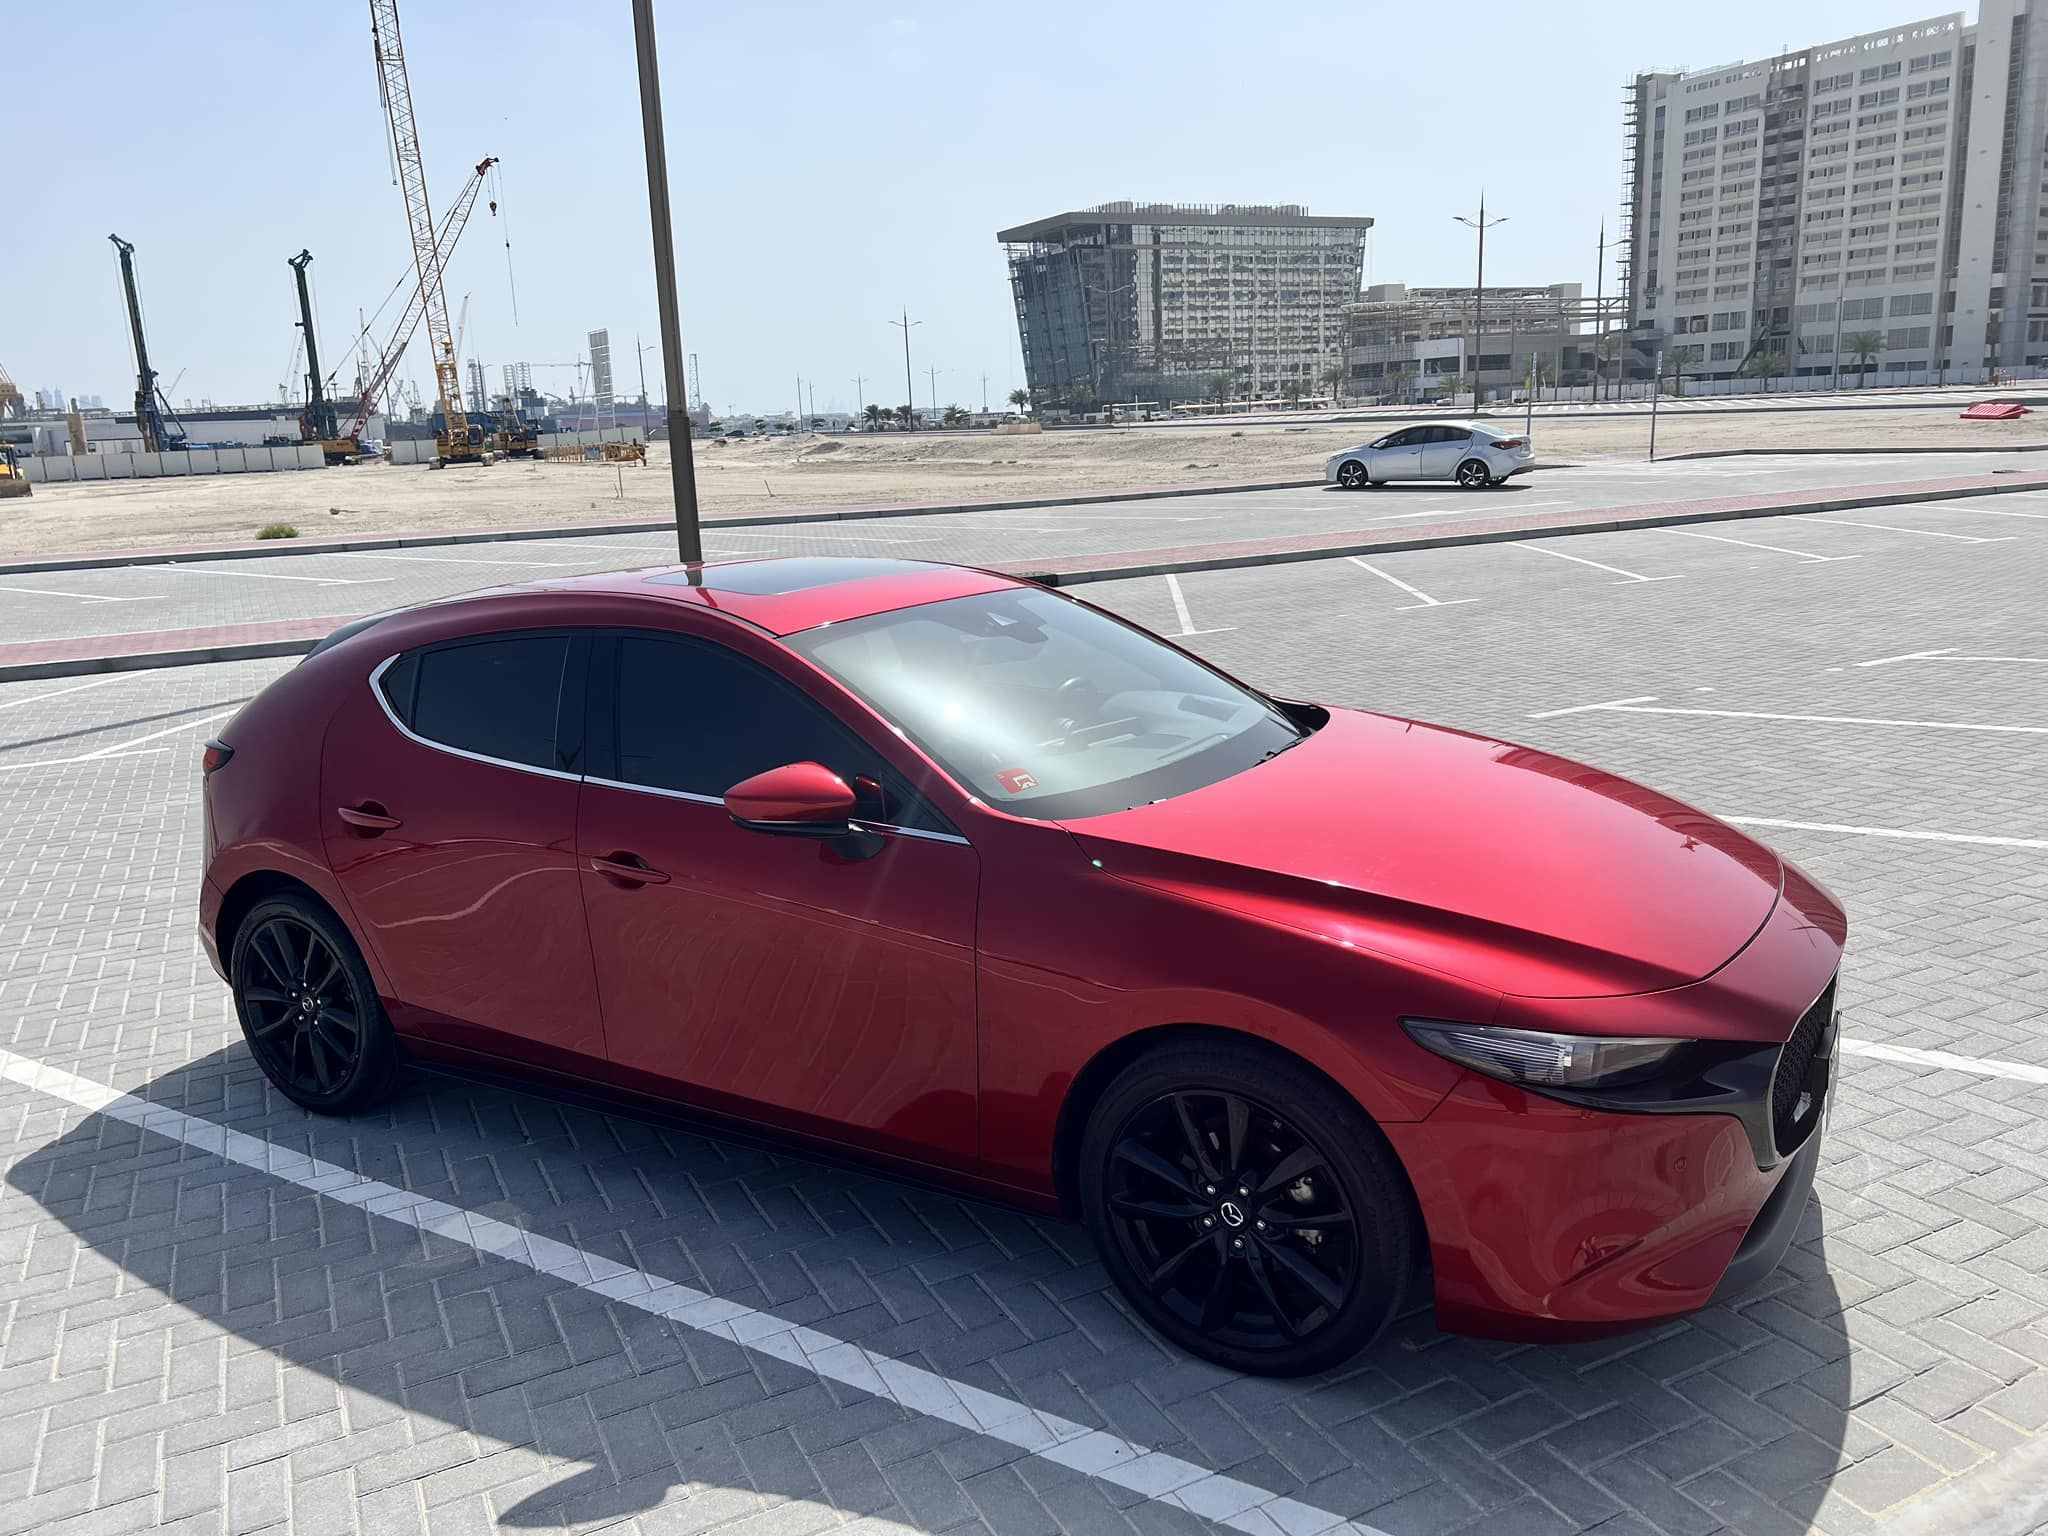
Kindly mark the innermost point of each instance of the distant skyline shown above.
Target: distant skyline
(830, 167)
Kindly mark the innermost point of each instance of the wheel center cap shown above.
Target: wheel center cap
(1231, 1214)
(305, 1005)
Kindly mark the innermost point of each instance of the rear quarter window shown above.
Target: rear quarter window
(497, 698)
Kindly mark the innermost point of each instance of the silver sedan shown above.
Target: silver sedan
(1467, 452)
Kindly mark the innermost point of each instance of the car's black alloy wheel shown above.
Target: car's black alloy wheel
(308, 1007)
(1351, 476)
(1249, 1210)
(1473, 475)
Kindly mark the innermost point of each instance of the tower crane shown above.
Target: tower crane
(459, 444)
(318, 423)
(161, 429)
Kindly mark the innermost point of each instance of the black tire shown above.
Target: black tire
(309, 1008)
(1352, 476)
(1317, 1256)
(1473, 475)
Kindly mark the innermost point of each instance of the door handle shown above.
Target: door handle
(628, 867)
(368, 817)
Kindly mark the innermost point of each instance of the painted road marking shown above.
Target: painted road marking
(1949, 653)
(1582, 560)
(1427, 600)
(1180, 608)
(1912, 1056)
(120, 748)
(58, 693)
(1918, 836)
(1965, 506)
(1925, 533)
(84, 597)
(368, 554)
(1797, 554)
(1096, 1453)
(318, 581)
(1644, 706)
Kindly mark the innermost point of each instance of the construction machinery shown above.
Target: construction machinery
(13, 482)
(317, 422)
(161, 430)
(11, 402)
(458, 441)
(515, 437)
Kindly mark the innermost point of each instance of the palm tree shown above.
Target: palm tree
(1683, 358)
(1221, 386)
(906, 416)
(1764, 365)
(1335, 378)
(1606, 350)
(954, 416)
(873, 414)
(1021, 398)
(1080, 397)
(1863, 346)
(1398, 377)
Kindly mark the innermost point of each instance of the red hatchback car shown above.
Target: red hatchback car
(1292, 1005)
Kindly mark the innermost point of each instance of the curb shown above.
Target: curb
(145, 661)
(269, 548)
(1780, 453)
(2007, 1496)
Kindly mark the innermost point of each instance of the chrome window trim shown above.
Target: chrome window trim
(383, 703)
(887, 829)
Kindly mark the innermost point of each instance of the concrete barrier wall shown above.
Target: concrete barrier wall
(59, 469)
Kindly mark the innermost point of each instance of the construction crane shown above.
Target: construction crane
(372, 389)
(11, 402)
(161, 430)
(458, 444)
(317, 423)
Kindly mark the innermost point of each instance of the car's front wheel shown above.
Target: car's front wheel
(1250, 1211)
(1351, 476)
(309, 1009)
(1473, 475)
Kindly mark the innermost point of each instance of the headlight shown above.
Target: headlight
(1541, 1059)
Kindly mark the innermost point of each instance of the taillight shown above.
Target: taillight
(215, 756)
(1511, 442)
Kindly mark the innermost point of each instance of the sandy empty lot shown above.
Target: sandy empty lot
(823, 470)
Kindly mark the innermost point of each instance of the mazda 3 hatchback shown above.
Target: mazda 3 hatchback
(1297, 1007)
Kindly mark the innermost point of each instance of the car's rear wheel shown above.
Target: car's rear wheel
(1473, 475)
(1250, 1211)
(309, 1009)
(1351, 476)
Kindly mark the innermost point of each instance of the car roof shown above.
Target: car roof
(784, 595)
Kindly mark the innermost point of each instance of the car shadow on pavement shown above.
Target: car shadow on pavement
(473, 1377)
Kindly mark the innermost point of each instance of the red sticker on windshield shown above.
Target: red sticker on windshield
(1017, 780)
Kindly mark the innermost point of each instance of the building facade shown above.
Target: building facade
(1875, 202)
(1419, 343)
(1157, 302)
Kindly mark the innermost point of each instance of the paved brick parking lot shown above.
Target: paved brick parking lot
(486, 1307)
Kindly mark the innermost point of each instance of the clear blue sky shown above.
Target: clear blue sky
(831, 164)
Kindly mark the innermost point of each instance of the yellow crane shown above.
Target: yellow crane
(459, 443)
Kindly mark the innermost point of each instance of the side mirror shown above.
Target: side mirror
(795, 800)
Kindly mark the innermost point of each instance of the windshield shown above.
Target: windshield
(1048, 708)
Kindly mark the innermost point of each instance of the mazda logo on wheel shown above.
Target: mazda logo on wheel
(1232, 1216)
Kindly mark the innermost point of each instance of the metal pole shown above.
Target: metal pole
(811, 399)
(1599, 310)
(1841, 282)
(1656, 388)
(909, 389)
(682, 461)
(799, 402)
(1479, 305)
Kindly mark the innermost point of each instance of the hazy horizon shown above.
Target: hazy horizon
(829, 168)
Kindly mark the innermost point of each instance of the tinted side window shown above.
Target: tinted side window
(499, 698)
(698, 718)
(1406, 438)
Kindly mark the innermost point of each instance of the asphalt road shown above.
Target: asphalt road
(118, 599)
(490, 1308)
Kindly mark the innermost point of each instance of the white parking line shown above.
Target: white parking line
(1427, 600)
(372, 554)
(84, 597)
(1180, 608)
(1644, 706)
(318, 581)
(1797, 554)
(1912, 1056)
(119, 748)
(1885, 661)
(58, 693)
(1949, 653)
(1912, 835)
(1966, 506)
(1539, 549)
(1925, 533)
(1095, 1453)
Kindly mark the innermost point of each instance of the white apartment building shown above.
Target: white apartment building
(1885, 189)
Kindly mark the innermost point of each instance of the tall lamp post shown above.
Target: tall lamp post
(1482, 224)
(909, 389)
(682, 461)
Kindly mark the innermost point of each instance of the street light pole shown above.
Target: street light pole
(681, 458)
(909, 389)
(860, 403)
(1599, 312)
(1482, 224)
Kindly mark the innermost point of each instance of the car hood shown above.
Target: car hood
(1508, 867)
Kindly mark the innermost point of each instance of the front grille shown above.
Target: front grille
(1796, 1090)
